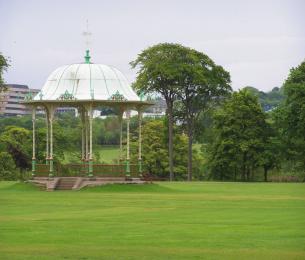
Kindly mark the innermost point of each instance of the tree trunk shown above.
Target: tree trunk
(243, 176)
(265, 173)
(170, 139)
(248, 173)
(252, 173)
(190, 150)
(244, 167)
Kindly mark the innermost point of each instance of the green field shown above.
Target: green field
(154, 221)
(107, 154)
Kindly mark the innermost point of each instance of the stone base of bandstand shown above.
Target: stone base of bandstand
(77, 183)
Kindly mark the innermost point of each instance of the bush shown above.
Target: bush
(292, 176)
(7, 167)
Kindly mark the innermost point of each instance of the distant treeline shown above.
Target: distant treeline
(268, 100)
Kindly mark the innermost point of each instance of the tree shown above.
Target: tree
(202, 83)
(154, 150)
(290, 117)
(159, 71)
(17, 143)
(271, 155)
(7, 167)
(238, 142)
(3, 67)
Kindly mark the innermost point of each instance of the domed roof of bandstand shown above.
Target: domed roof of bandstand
(86, 81)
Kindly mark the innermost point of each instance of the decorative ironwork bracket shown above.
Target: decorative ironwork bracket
(117, 97)
(66, 96)
(28, 96)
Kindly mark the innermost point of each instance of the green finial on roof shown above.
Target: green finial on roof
(87, 57)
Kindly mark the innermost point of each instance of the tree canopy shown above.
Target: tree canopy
(181, 73)
(159, 69)
(202, 83)
(3, 67)
(238, 143)
(290, 117)
(18, 145)
(269, 100)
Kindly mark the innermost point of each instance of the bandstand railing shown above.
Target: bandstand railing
(81, 170)
(42, 170)
(109, 170)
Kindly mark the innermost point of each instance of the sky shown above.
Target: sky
(257, 41)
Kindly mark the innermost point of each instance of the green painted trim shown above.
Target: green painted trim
(117, 97)
(87, 57)
(28, 96)
(127, 168)
(33, 167)
(90, 168)
(66, 96)
(51, 168)
(140, 166)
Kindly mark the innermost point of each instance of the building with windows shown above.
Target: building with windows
(10, 100)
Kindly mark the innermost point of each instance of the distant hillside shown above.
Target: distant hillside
(268, 100)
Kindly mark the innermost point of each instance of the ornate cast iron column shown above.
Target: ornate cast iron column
(47, 136)
(121, 136)
(90, 111)
(34, 142)
(86, 136)
(127, 148)
(140, 142)
(83, 134)
(51, 117)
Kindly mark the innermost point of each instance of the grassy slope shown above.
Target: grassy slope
(158, 221)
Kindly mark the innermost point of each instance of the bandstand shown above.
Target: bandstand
(86, 86)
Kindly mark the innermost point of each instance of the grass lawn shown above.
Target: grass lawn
(107, 154)
(154, 221)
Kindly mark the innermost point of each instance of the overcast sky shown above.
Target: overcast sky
(256, 41)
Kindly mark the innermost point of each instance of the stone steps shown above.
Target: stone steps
(65, 183)
(76, 183)
(110, 178)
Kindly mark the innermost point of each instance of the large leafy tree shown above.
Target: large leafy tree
(290, 117)
(201, 84)
(3, 67)
(7, 167)
(271, 155)
(17, 142)
(159, 69)
(154, 146)
(178, 72)
(238, 143)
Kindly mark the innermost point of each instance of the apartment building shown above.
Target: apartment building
(10, 100)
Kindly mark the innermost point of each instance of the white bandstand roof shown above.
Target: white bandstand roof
(82, 85)
(86, 81)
